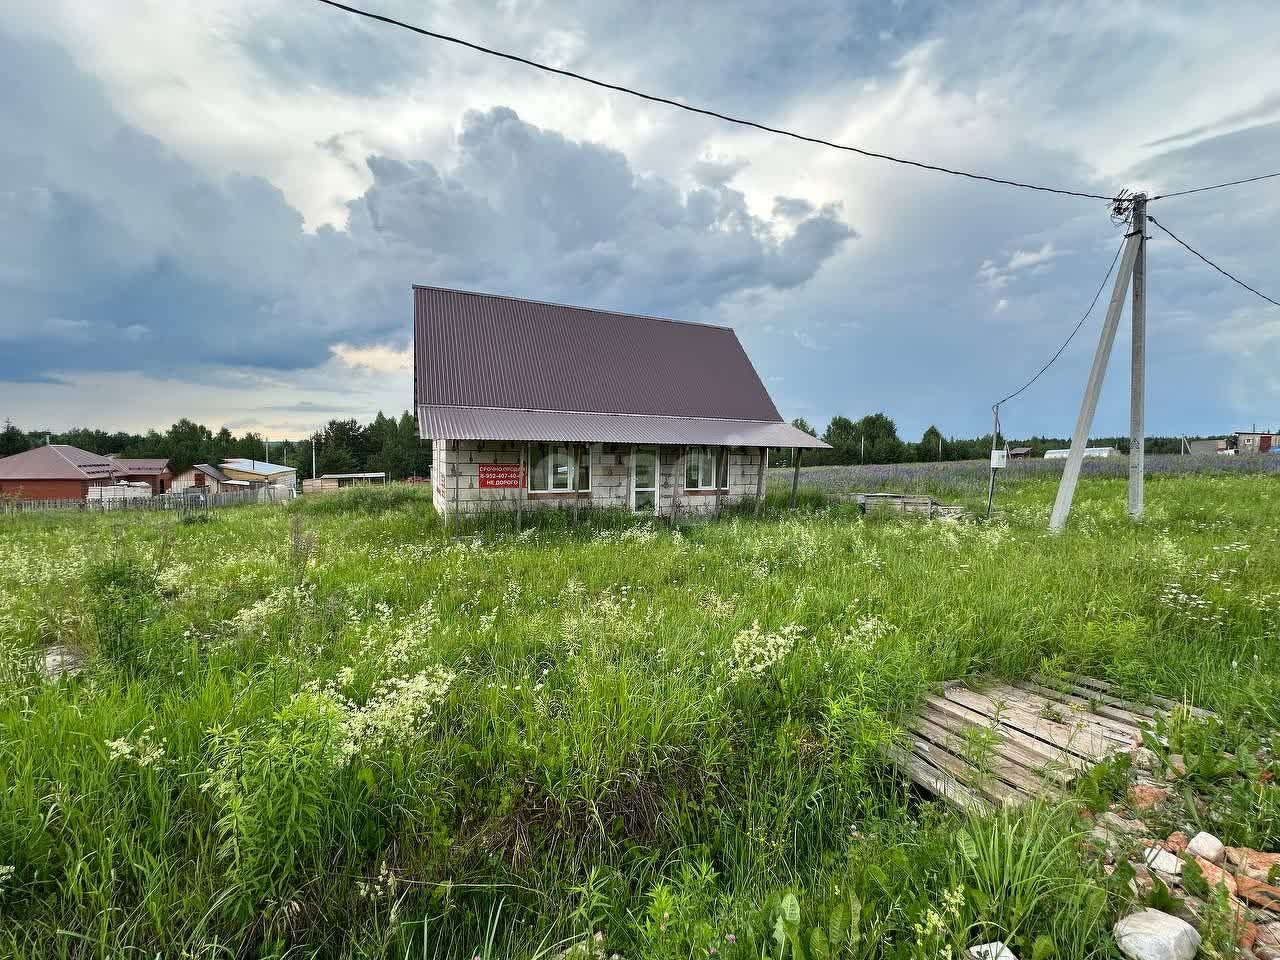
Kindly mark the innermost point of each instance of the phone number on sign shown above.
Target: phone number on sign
(501, 475)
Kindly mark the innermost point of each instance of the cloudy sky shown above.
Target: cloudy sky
(217, 209)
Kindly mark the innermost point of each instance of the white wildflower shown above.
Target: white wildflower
(398, 708)
(754, 651)
(145, 751)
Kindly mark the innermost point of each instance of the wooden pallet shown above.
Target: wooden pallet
(1003, 745)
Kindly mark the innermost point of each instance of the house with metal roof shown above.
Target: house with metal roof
(206, 478)
(339, 481)
(260, 472)
(532, 404)
(150, 470)
(55, 471)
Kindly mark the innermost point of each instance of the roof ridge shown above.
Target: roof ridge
(575, 306)
(75, 466)
(597, 413)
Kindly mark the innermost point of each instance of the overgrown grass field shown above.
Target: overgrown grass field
(339, 730)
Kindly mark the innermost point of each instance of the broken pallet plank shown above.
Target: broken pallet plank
(938, 782)
(1098, 704)
(988, 759)
(1050, 756)
(1081, 708)
(1007, 712)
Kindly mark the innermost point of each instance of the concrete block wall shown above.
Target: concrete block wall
(456, 485)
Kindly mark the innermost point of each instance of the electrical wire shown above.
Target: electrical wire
(1210, 262)
(709, 113)
(1093, 303)
(1216, 186)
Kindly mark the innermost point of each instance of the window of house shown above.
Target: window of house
(551, 468)
(700, 471)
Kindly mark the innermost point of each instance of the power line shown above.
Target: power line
(1093, 303)
(705, 112)
(1216, 186)
(1211, 263)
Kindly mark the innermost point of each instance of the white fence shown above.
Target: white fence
(185, 501)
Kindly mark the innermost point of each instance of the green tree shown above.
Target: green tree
(12, 440)
(931, 445)
(336, 460)
(419, 450)
(841, 432)
(800, 423)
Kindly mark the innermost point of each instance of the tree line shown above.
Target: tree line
(387, 444)
(874, 439)
(391, 445)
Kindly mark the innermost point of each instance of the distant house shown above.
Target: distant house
(336, 481)
(1218, 445)
(206, 478)
(531, 404)
(1252, 441)
(260, 472)
(56, 471)
(1089, 452)
(1019, 453)
(152, 470)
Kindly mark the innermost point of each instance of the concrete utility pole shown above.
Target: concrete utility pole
(1089, 405)
(991, 482)
(1138, 364)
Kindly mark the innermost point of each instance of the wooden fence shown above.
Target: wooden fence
(183, 502)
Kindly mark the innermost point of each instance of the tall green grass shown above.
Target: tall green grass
(340, 730)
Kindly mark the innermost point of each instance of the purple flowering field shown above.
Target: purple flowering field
(967, 479)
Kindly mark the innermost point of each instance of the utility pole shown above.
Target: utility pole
(1138, 364)
(1089, 404)
(991, 483)
(314, 438)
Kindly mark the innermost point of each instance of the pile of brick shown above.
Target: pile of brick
(1249, 878)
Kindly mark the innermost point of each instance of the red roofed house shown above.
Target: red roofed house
(538, 404)
(56, 471)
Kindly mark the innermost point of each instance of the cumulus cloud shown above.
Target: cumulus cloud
(255, 183)
(998, 276)
(377, 358)
(1022, 259)
(173, 266)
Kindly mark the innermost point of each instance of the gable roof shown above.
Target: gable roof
(501, 368)
(57, 461)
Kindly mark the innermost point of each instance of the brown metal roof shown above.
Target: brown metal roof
(480, 350)
(57, 461)
(487, 423)
(142, 465)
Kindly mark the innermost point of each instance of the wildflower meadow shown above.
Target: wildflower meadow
(338, 729)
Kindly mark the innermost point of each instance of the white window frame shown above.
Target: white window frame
(716, 454)
(554, 449)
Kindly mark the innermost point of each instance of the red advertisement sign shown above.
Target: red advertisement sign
(504, 476)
